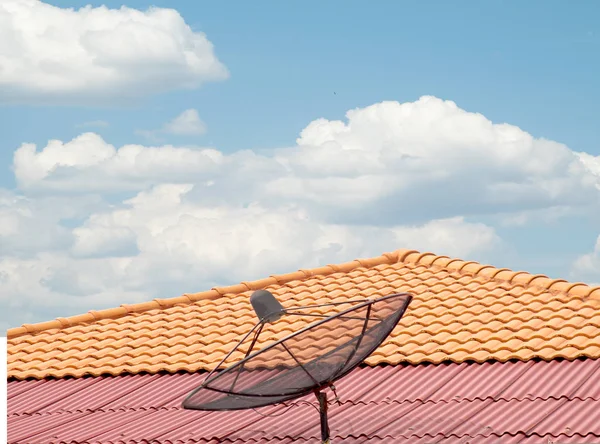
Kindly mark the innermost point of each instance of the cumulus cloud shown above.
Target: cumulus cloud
(431, 154)
(415, 160)
(417, 175)
(54, 284)
(158, 244)
(88, 163)
(57, 55)
(591, 163)
(587, 266)
(188, 123)
(173, 231)
(544, 215)
(29, 225)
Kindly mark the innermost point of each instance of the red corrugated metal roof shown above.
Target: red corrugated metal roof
(556, 401)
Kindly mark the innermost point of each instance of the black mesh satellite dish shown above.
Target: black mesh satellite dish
(307, 360)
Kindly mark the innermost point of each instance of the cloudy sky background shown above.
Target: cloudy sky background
(147, 152)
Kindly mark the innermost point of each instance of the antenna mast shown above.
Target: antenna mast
(322, 397)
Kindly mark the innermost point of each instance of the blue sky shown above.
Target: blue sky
(531, 64)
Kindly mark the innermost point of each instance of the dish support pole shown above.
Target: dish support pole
(322, 397)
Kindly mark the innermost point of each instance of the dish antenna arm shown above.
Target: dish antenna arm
(258, 324)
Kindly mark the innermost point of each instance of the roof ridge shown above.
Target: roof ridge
(490, 272)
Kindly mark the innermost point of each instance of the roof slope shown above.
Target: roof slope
(461, 311)
(451, 403)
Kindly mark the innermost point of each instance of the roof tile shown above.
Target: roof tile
(461, 311)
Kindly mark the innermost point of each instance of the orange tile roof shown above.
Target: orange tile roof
(461, 311)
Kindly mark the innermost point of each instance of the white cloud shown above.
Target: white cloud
(53, 284)
(30, 225)
(591, 163)
(171, 229)
(550, 214)
(88, 163)
(390, 153)
(391, 176)
(159, 244)
(57, 55)
(186, 123)
(416, 160)
(587, 266)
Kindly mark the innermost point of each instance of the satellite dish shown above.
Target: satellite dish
(307, 360)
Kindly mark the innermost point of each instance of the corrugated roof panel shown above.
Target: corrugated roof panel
(16, 389)
(571, 417)
(435, 418)
(469, 384)
(412, 383)
(202, 424)
(551, 382)
(88, 426)
(445, 403)
(520, 438)
(169, 390)
(49, 393)
(366, 419)
(21, 429)
(149, 425)
(502, 417)
(346, 420)
(96, 396)
(590, 388)
(492, 439)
